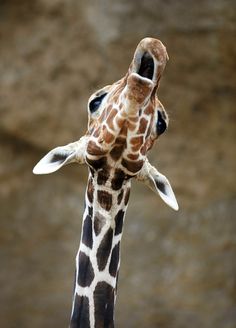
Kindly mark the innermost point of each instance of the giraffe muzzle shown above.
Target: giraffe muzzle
(145, 71)
(149, 60)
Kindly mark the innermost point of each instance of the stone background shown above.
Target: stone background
(178, 269)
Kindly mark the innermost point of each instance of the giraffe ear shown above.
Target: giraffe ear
(60, 156)
(158, 183)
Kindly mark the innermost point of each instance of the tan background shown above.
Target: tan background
(178, 269)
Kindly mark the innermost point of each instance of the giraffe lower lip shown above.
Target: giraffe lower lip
(138, 90)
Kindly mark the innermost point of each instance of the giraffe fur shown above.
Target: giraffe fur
(124, 120)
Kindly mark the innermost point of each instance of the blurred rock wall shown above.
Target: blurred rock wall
(178, 269)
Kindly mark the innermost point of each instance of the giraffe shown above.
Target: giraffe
(124, 120)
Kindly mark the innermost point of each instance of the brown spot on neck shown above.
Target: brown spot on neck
(118, 179)
(103, 175)
(94, 149)
(132, 166)
(96, 163)
(133, 157)
(120, 197)
(104, 249)
(90, 190)
(104, 199)
(127, 194)
(99, 222)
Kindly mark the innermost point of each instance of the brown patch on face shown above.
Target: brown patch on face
(94, 149)
(103, 115)
(136, 143)
(133, 157)
(132, 166)
(149, 109)
(131, 126)
(97, 132)
(111, 115)
(115, 98)
(147, 145)
(90, 190)
(142, 125)
(136, 140)
(127, 196)
(149, 127)
(109, 108)
(124, 129)
(104, 199)
(107, 136)
(120, 122)
(143, 149)
(118, 149)
(97, 163)
(117, 91)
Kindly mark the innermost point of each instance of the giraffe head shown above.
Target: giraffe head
(124, 120)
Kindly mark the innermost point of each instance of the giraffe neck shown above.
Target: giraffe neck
(98, 257)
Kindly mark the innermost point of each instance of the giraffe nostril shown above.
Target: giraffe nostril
(146, 68)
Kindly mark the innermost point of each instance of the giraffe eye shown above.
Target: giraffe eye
(161, 124)
(96, 102)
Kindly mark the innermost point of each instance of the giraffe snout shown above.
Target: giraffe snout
(149, 60)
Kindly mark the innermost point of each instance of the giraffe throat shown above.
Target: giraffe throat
(98, 257)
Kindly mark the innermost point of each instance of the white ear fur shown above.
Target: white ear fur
(158, 183)
(60, 156)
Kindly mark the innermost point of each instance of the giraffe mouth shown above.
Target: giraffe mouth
(146, 68)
